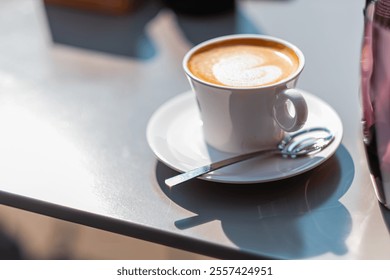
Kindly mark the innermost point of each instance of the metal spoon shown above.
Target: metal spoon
(302, 143)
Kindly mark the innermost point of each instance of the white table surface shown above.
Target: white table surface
(73, 121)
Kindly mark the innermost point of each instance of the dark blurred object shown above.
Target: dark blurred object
(115, 7)
(9, 248)
(123, 35)
(382, 13)
(201, 20)
(200, 7)
(375, 95)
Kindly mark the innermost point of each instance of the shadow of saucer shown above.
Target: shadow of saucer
(294, 218)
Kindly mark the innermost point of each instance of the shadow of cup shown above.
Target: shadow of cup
(293, 218)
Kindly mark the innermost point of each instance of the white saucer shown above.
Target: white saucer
(174, 134)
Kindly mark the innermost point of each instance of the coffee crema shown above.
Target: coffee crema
(243, 63)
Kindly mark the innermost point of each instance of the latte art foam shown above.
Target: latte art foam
(245, 70)
(243, 63)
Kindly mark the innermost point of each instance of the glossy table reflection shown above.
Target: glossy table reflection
(73, 116)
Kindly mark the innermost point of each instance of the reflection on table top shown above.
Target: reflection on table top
(73, 116)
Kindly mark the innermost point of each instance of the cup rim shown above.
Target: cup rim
(291, 77)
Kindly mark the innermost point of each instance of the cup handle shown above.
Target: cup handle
(290, 110)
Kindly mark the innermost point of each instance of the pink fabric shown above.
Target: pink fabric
(380, 86)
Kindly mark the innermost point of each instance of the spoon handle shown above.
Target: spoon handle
(293, 145)
(191, 174)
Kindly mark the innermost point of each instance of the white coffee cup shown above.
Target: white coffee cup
(241, 118)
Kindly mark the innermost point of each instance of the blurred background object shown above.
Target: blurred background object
(115, 7)
(119, 31)
(200, 7)
(126, 34)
